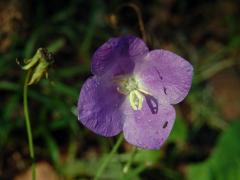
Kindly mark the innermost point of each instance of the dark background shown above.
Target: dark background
(204, 143)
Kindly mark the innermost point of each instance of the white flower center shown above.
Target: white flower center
(129, 86)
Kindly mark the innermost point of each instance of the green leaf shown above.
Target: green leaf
(142, 156)
(7, 85)
(224, 163)
(199, 172)
(56, 45)
(89, 167)
(52, 148)
(179, 131)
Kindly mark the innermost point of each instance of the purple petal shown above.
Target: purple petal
(165, 75)
(98, 107)
(149, 127)
(117, 55)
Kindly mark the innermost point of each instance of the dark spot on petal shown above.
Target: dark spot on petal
(165, 90)
(165, 124)
(188, 70)
(159, 75)
(152, 103)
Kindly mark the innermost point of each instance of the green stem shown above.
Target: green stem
(27, 121)
(135, 172)
(129, 163)
(109, 157)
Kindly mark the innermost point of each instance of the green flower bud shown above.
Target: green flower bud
(38, 65)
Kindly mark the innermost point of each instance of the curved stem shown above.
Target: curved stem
(129, 163)
(140, 19)
(109, 157)
(28, 124)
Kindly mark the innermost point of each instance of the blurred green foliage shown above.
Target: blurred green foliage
(224, 163)
(203, 143)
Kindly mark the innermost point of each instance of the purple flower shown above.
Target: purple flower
(132, 90)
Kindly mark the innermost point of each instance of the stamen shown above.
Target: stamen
(129, 86)
(125, 83)
(136, 100)
(132, 100)
(140, 99)
(144, 92)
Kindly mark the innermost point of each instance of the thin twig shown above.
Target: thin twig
(139, 16)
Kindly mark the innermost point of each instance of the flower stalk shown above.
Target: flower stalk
(109, 157)
(28, 124)
(129, 163)
(36, 67)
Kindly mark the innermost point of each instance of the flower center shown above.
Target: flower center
(129, 86)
